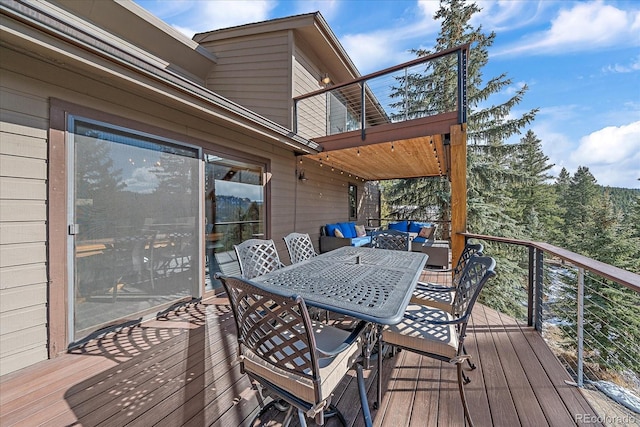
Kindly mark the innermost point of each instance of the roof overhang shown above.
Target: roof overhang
(129, 21)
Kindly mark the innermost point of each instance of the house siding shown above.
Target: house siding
(23, 232)
(255, 72)
(312, 114)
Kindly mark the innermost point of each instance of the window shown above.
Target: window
(353, 202)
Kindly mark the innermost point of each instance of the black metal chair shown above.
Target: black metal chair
(438, 333)
(391, 239)
(290, 356)
(257, 257)
(299, 246)
(442, 297)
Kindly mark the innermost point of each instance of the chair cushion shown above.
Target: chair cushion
(332, 369)
(400, 226)
(442, 300)
(330, 229)
(415, 226)
(423, 337)
(360, 231)
(348, 229)
(360, 241)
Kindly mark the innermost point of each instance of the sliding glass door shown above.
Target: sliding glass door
(133, 224)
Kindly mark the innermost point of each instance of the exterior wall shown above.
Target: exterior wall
(312, 114)
(23, 216)
(255, 72)
(33, 295)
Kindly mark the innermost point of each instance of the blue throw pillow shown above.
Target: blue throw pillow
(348, 229)
(415, 226)
(330, 229)
(400, 226)
(352, 227)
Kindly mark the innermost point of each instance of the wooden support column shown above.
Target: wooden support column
(458, 177)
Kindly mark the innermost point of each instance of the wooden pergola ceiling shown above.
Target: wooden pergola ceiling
(411, 149)
(408, 158)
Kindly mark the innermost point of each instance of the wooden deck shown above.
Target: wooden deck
(180, 370)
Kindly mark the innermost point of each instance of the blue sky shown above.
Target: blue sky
(580, 60)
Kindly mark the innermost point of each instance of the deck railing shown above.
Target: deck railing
(411, 90)
(587, 311)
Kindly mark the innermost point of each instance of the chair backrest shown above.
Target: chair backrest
(299, 246)
(257, 257)
(477, 272)
(390, 239)
(470, 250)
(275, 328)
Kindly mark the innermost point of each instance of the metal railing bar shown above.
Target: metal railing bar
(389, 70)
(618, 275)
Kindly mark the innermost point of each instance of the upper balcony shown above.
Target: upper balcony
(394, 123)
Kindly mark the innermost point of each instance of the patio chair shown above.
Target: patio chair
(257, 257)
(440, 296)
(299, 246)
(438, 333)
(391, 239)
(290, 356)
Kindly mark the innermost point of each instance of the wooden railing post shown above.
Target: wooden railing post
(458, 177)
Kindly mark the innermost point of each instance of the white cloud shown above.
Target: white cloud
(373, 51)
(612, 154)
(634, 65)
(584, 27)
(379, 49)
(506, 15)
(229, 13)
(200, 16)
(612, 145)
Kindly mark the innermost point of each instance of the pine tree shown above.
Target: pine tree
(535, 202)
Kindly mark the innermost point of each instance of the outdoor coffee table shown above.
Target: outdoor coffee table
(374, 285)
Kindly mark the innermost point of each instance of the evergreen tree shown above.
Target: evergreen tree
(581, 200)
(535, 202)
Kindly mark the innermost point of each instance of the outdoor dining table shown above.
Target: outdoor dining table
(374, 285)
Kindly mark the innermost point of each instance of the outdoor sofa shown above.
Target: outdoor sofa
(347, 234)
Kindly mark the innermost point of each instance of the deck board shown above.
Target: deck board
(180, 370)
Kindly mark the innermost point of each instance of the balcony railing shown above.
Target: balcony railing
(424, 87)
(587, 311)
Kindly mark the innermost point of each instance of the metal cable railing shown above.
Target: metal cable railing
(424, 87)
(587, 311)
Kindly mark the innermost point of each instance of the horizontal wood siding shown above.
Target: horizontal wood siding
(23, 226)
(255, 72)
(312, 115)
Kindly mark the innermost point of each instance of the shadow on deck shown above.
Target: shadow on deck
(180, 370)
